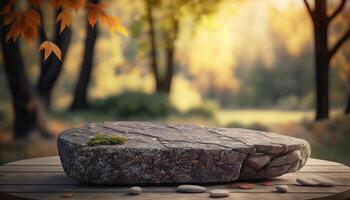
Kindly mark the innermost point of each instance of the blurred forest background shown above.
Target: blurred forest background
(230, 63)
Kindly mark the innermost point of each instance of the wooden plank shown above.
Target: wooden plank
(325, 168)
(314, 161)
(35, 178)
(61, 178)
(151, 196)
(31, 168)
(106, 189)
(52, 160)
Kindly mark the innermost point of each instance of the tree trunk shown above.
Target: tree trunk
(166, 86)
(322, 60)
(51, 68)
(80, 95)
(152, 39)
(22, 99)
(347, 109)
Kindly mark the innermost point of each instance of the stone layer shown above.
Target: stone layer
(164, 153)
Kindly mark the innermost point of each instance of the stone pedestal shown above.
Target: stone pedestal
(164, 153)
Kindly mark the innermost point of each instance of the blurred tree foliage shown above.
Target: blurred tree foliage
(163, 20)
(136, 105)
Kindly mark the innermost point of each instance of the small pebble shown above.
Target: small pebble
(135, 190)
(282, 188)
(190, 189)
(219, 193)
(315, 181)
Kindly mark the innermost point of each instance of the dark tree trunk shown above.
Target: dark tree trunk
(152, 38)
(347, 108)
(22, 98)
(166, 86)
(323, 53)
(322, 60)
(80, 95)
(51, 68)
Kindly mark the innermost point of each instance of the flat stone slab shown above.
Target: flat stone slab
(164, 153)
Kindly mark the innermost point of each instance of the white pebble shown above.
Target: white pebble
(135, 190)
(219, 193)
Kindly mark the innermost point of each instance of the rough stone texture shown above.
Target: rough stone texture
(164, 153)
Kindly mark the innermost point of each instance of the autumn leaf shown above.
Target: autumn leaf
(266, 183)
(5, 9)
(113, 24)
(96, 11)
(16, 29)
(65, 18)
(32, 22)
(35, 3)
(50, 47)
(75, 4)
(11, 17)
(242, 185)
(67, 195)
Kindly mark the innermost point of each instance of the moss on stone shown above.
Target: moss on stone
(100, 139)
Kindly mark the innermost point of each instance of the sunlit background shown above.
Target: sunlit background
(242, 63)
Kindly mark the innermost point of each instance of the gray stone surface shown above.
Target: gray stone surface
(190, 189)
(164, 153)
(282, 188)
(219, 193)
(135, 190)
(315, 181)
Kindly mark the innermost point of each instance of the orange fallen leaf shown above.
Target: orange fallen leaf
(48, 48)
(67, 195)
(267, 183)
(241, 185)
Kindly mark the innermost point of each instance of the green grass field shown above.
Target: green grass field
(266, 117)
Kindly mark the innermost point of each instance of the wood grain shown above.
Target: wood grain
(43, 178)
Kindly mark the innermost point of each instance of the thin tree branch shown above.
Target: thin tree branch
(337, 11)
(339, 43)
(311, 12)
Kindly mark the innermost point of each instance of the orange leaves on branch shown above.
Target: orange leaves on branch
(26, 23)
(113, 24)
(75, 4)
(50, 47)
(6, 8)
(35, 3)
(22, 24)
(65, 18)
(96, 11)
(32, 23)
(11, 17)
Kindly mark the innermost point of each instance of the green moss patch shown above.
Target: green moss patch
(100, 139)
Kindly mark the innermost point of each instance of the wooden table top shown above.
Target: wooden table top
(43, 178)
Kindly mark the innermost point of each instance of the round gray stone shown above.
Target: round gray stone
(190, 189)
(219, 193)
(164, 153)
(135, 190)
